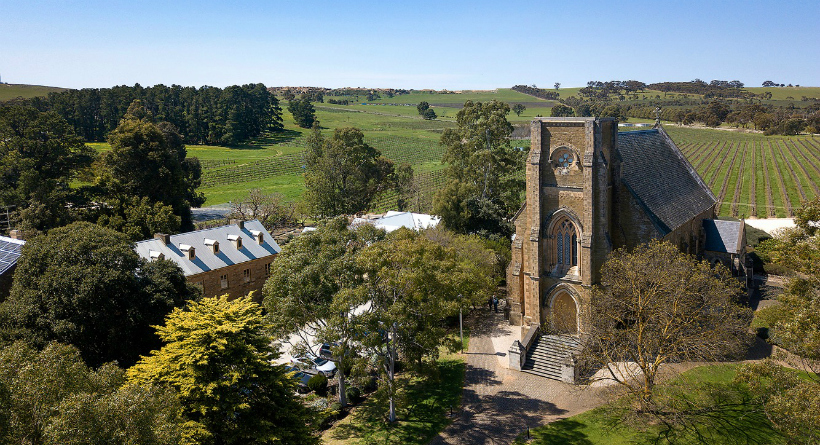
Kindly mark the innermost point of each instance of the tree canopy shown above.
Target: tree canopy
(303, 112)
(206, 115)
(484, 170)
(39, 156)
(84, 285)
(217, 357)
(343, 174)
(148, 160)
(52, 397)
(687, 313)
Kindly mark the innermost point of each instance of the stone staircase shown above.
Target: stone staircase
(547, 354)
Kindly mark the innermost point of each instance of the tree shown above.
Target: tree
(217, 357)
(807, 218)
(429, 114)
(422, 107)
(303, 112)
(39, 156)
(306, 277)
(794, 324)
(344, 174)
(404, 185)
(557, 85)
(480, 157)
(769, 83)
(409, 286)
(687, 313)
(561, 110)
(518, 109)
(270, 209)
(54, 398)
(137, 218)
(84, 285)
(148, 160)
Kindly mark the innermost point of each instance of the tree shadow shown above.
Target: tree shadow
(281, 137)
(562, 432)
(424, 405)
(497, 418)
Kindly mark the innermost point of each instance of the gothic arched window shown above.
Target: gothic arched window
(566, 245)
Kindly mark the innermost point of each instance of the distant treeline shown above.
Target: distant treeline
(715, 88)
(206, 115)
(537, 92)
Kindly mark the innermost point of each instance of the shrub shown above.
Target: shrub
(354, 394)
(318, 384)
(370, 384)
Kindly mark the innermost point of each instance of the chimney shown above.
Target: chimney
(236, 240)
(239, 222)
(16, 234)
(257, 235)
(213, 244)
(164, 237)
(188, 251)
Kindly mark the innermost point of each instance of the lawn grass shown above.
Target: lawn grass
(735, 421)
(13, 91)
(423, 408)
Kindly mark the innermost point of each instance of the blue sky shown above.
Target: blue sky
(449, 44)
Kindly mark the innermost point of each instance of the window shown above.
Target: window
(246, 275)
(565, 160)
(223, 281)
(267, 270)
(566, 245)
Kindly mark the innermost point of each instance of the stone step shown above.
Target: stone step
(548, 375)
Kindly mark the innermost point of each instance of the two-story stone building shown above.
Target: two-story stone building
(590, 190)
(233, 259)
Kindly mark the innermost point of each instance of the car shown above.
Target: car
(301, 377)
(310, 361)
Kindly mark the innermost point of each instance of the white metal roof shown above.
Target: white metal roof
(393, 220)
(205, 260)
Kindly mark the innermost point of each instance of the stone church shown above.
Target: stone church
(590, 190)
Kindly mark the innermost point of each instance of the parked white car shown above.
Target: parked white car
(310, 361)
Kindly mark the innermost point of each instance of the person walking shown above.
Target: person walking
(495, 303)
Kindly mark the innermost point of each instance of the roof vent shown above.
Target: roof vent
(164, 237)
(213, 244)
(239, 222)
(188, 251)
(257, 235)
(154, 255)
(236, 240)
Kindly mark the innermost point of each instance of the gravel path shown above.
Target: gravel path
(498, 403)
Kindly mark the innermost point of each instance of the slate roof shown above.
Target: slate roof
(205, 260)
(723, 236)
(661, 179)
(393, 220)
(10, 250)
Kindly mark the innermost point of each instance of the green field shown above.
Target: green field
(753, 175)
(13, 91)
(732, 419)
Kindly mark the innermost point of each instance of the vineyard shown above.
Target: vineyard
(754, 175)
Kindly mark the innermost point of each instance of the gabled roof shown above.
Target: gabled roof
(723, 236)
(661, 179)
(393, 220)
(10, 250)
(205, 260)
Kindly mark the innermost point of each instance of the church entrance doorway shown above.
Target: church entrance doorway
(564, 313)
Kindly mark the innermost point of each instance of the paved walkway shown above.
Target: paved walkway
(499, 403)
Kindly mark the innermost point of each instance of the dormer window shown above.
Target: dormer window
(257, 235)
(212, 244)
(154, 255)
(236, 240)
(188, 251)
